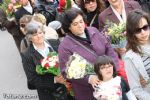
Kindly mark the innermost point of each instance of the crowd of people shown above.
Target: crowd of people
(81, 26)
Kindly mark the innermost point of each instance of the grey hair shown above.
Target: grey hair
(33, 26)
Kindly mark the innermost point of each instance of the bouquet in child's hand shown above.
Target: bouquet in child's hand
(49, 65)
(117, 34)
(78, 67)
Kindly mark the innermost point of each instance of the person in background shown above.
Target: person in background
(117, 12)
(25, 9)
(23, 22)
(145, 4)
(48, 8)
(12, 28)
(89, 43)
(111, 86)
(92, 9)
(58, 27)
(137, 57)
(50, 33)
(38, 49)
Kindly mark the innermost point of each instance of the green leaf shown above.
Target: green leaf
(41, 70)
(68, 4)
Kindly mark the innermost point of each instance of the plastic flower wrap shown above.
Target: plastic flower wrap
(78, 67)
(10, 6)
(49, 65)
(117, 34)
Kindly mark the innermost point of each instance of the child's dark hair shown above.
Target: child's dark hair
(103, 60)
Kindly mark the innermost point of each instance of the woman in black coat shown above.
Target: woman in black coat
(38, 49)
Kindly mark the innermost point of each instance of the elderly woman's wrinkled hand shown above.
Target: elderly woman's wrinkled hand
(94, 81)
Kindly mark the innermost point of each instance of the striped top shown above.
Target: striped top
(146, 61)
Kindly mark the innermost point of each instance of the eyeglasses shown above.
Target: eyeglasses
(22, 25)
(88, 1)
(104, 67)
(145, 28)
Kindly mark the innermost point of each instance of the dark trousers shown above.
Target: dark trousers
(44, 94)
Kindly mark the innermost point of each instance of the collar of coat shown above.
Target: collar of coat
(127, 6)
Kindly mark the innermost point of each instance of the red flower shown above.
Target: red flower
(46, 65)
(56, 65)
(10, 7)
(62, 4)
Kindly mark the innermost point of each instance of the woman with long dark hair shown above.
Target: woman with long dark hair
(137, 57)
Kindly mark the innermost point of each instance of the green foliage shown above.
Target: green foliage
(41, 70)
(116, 31)
(4, 6)
(9, 6)
(68, 4)
(52, 54)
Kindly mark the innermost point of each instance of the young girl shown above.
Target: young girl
(111, 87)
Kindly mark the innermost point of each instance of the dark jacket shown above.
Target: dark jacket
(125, 88)
(20, 12)
(99, 44)
(92, 16)
(31, 58)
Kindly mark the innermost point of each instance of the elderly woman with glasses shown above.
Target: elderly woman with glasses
(39, 49)
(88, 43)
(137, 57)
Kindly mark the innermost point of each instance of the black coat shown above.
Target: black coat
(20, 12)
(43, 83)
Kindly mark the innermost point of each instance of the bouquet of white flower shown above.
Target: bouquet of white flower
(78, 67)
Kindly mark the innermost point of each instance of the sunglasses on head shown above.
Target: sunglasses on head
(145, 28)
(22, 25)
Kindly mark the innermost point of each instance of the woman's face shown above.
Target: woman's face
(38, 38)
(77, 26)
(115, 2)
(106, 72)
(143, 32)
(90, 6)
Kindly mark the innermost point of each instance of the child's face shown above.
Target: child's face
(106, 72)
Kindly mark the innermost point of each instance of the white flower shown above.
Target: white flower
(44, 61)
(76, 69)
